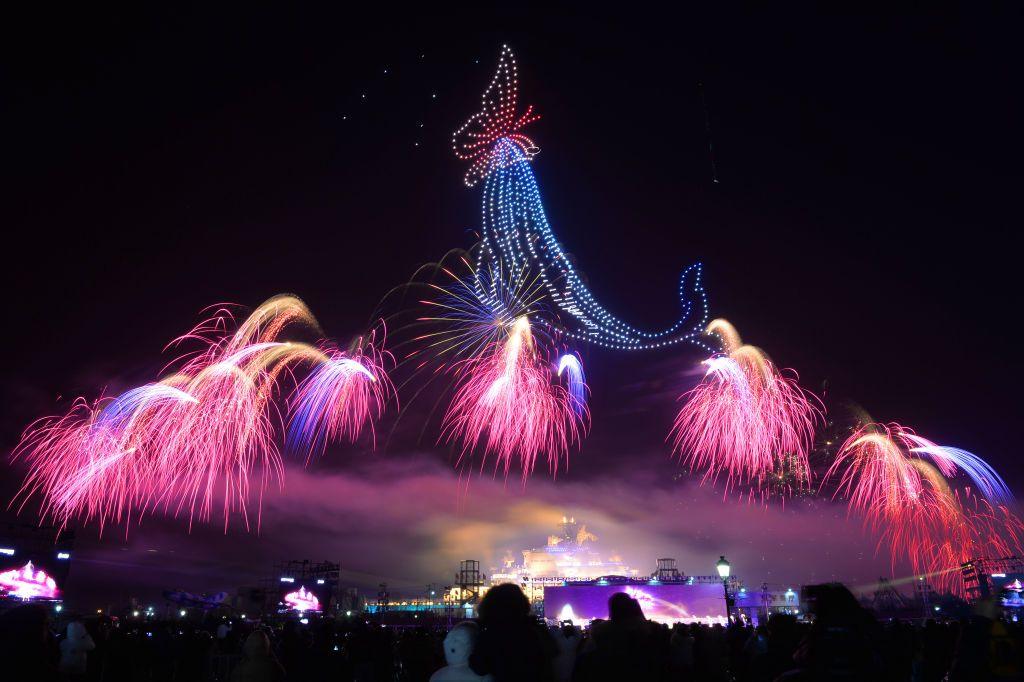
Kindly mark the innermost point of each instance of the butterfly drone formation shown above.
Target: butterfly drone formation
(503, 327)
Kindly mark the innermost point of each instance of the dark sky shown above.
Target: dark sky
(860, 232)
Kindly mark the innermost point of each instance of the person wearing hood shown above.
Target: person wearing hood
(74, 650)
(258, 665)
(458, 645)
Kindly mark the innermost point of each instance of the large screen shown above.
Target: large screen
(299, 597)
(27, 582)
(663, 603)
(1008, 587)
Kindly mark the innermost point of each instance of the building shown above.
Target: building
(571, 554)
(756, 605)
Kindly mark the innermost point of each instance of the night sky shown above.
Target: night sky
(860, 232)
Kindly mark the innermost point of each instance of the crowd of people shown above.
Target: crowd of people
(507, 643)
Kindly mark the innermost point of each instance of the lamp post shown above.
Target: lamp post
(723, 573)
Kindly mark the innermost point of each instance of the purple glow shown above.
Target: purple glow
(662, 603)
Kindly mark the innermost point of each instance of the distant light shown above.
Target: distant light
(304, 621)
(58, 608)
(937, 608)
(135, 614)
(63, 555)
(348, 614)
(9, 551)
(994, 575)
(99, 610)
(335, 647)
(243, 616)
(723, 567)
(286, 579)
(319, 581)
(182, 612)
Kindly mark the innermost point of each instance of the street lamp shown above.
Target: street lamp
(723, 573)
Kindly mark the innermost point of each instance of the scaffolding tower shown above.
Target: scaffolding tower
(470, 581)
(977, 575)
(667, 571)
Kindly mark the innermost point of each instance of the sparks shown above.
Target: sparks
(507, 405)
(746, 419)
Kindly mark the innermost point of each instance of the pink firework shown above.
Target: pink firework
(509, 405)
(746, 420)
(908, 502)
(338, 399)
(205, 435)
(498, 118)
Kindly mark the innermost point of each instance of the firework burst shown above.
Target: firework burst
(507, 406)
(908, 500)
(338, 399)
(746, 420)
(207, 433)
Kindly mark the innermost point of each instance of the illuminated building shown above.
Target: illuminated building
(570, 555)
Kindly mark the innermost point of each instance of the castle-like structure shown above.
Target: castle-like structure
(571, 554)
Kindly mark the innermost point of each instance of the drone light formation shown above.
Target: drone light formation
(507, 405)
(745, 420)
(516, 236)
(206, 433)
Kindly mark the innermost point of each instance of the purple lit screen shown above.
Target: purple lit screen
(662, 603)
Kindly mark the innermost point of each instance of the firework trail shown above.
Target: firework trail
(507, 405)
(577, 382)
(207, 432)
(908, 501)
(337, 400)
(745, 420)
(467, 314)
